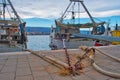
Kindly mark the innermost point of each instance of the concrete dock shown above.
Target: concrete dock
(26, 66)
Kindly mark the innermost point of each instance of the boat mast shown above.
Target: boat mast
(4, 5)
(14, 11)
(88, 13)
(94, 23)
(61, 19)
(91, 18)
(22, 26)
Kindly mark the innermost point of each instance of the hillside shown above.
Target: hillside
(37, 22)
(46, 31)
(33, 24)
(38, 29)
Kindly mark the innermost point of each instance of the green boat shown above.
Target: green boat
(62, 34)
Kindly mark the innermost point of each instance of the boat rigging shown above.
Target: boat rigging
(71, 9)
(12, 27)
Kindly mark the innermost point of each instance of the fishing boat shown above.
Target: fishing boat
(65, 28)
(12, 29)
(116, 33)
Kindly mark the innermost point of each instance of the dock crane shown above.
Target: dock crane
(72, 2)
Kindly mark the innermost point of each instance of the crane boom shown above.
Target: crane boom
(14, 11)
(94, 24)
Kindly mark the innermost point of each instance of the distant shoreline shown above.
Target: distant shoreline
(37, 33)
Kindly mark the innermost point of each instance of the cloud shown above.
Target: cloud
(55, 8)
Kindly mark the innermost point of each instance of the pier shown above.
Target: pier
(29, 66)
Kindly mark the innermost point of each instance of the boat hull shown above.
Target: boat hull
(12, 49)
(72, 44)
(5, 46)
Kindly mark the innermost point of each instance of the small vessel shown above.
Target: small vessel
(12, 28)
(116, 33)
(66, 28)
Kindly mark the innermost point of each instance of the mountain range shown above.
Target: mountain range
(43, 24)
(38, 29)
(39, 22)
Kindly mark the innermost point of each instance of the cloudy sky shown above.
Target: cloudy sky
(54, 8)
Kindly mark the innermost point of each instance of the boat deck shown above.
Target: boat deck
(26, 66)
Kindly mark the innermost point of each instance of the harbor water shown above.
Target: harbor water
(41, 42)
(38, 42)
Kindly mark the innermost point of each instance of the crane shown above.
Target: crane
(94, 24)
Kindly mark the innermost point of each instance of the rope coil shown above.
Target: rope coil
(92, 59)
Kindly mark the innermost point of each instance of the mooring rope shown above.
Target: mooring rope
(113, 57)
(108, 73)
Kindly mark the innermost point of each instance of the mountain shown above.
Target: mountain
(38, 29)
(111, 19)
(33, 24)
(37, 22)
